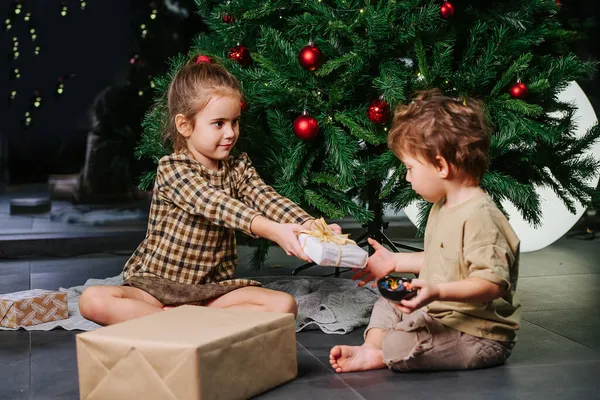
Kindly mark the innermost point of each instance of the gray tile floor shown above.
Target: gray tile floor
(557, 357)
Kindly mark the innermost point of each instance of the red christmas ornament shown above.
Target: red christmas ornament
(310, 57)
(518, 91)
(447, 9)
(228, 19)
(306, 127)
(243, 105)
(241, 54)
(378, 111)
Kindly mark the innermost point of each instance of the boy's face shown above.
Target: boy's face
(427, 180)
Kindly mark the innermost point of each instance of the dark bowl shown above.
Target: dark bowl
(392, 288)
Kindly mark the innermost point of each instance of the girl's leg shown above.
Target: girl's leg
(108, 305)
(256, 298)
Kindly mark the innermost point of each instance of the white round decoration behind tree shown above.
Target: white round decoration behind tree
(556, 220)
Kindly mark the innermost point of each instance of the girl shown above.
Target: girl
(201, 195)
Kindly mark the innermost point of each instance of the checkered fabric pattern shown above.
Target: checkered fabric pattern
(194, 212)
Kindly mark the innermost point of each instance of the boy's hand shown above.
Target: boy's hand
(427, 293)
(285, 235)
(379, 265)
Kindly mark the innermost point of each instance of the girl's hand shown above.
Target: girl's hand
(335, 228)
(427, 293)
(308, 225)
(285, 236)
(380, 264)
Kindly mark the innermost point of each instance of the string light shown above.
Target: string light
(144, 31)
(36, 51)
(27, 17)
(16, 73)
(13, 95)
(60, 86)
(153, 15)
(33, 33)
(63, 11)
(15, 48)
(83, 4)
(7, 24)
(28, 120)
(18, 7)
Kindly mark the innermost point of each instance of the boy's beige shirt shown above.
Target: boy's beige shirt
(474, 239)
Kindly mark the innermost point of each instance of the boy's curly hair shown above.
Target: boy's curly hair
(437, 125)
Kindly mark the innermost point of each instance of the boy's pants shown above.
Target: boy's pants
(417, 342)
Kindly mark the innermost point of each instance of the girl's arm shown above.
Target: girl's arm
(255, 193)
(179, 184)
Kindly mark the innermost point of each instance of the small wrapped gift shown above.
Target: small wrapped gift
(329, 249)
(32, 307)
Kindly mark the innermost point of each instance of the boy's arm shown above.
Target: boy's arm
(488, 279)
(255, 193)
(470, 290)
(409, 262)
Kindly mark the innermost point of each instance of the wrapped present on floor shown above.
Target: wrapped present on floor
(188, 352)
(32, 307)
(329, 249)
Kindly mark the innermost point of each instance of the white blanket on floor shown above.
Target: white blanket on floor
(334, 305)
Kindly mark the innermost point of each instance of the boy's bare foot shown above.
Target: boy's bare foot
(356, 358)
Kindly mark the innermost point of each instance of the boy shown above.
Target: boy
(466, 312)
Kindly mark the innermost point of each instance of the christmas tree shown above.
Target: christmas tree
(320, 78)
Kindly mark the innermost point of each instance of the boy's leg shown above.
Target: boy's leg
(421, 343)
(256, 298)
(108, 305)
(369, 355)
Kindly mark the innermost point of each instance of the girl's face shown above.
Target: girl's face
(215, 130)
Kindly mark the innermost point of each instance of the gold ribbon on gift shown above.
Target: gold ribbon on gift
(321, 231)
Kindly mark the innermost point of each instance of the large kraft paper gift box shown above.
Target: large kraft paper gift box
(188, 352)
(32, 307)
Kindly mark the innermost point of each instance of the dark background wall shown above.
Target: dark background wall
(95, 46)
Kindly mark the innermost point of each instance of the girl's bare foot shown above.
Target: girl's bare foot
(356, 358)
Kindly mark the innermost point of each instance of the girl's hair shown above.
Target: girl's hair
(199, 80)
(437, 125)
